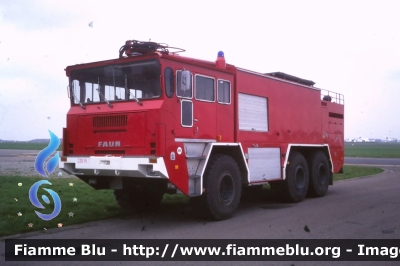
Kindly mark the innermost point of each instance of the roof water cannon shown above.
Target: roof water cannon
(135, 48)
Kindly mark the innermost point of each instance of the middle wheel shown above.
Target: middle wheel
(223, 187)
(297, 178)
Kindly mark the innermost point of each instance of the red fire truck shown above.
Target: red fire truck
(152, 122)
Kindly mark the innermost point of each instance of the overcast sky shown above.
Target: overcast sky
(350, 47)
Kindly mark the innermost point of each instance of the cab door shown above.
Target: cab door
(205, 106)
(184, 106)
(225, 108)
(204, 115)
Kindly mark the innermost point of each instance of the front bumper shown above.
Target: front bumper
(112, 166)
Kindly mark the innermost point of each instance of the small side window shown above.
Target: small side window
(169, 82)
(205, 88)
(224, 91)
(186, 113)
(180, 91)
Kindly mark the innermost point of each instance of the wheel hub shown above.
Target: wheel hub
(300, 178)
(322, 174)
(226, 192)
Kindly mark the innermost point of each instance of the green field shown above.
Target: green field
(23, 145)
(372, 149)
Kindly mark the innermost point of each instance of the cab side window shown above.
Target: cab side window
(224, 91)
(169, 82)
(205, 90)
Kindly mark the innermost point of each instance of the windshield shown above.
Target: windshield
(129, 82)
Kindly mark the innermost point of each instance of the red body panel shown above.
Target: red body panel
(297, 115)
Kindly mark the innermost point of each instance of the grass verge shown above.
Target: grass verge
(352, 171)
(90, 204)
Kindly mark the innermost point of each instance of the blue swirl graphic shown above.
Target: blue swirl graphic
(45, 153)
(35, 201)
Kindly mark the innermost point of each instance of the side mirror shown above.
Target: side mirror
(186, 80)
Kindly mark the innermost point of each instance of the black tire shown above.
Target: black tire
(319, 174)
(277, 186)
(124, 199)
(295, 186)
(139, 198)
(223, 188)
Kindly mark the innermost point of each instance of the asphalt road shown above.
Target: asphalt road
(21, 162)
(362, 208)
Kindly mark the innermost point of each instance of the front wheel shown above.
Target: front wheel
(223, 187)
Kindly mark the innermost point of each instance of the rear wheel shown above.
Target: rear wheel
(294, 187)
(223, 188)
(319, 175)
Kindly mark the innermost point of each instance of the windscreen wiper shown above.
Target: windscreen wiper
(130, 93)
(134, 97)
(104, 97)
(77, 100)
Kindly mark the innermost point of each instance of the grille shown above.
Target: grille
(110, 121)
